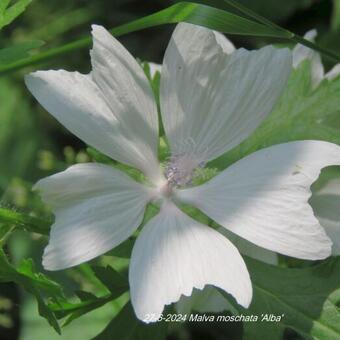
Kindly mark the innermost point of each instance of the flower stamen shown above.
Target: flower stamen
(180, 170)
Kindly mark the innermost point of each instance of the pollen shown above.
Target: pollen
(180, 170)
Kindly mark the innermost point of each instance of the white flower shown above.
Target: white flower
(326, 204)
(301, 53)
(154, 68)
(210, 102)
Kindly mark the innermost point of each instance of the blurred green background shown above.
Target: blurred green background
(34, 145)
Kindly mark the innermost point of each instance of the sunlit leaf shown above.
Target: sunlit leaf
(8, 14)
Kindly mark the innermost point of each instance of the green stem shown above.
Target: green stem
(254, 15)
(188, 12)
(328, 54)
(259, 18)
(46, 55)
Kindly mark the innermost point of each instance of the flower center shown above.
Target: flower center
(180, 170)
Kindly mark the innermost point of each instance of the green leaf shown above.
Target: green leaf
(6, 270)
(89, 306)
(35, 283)
(301, 113)
(85, 328)
(19, 51)
(85, 296)
(65, 308)
(305, 300)
(124, 249)
(115, 282)
(30, 223)
(190, 12)
(5, 231)
(17, 119)
(125, 326)
(41, 282)
(3, 5)
(271, 10)
(99, 157)
(8, 14)
(336, 15)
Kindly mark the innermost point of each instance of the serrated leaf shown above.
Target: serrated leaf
(27, 269)
(24, 221)
(125, 326)
(73, 311)
(304, 298)
(97, 303)
(116, 283)
(35, 283)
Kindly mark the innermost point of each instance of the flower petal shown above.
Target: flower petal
(226, 45)
(333, 73)
(326, 205)
(174, 254)
(264, 198)
(112, 108)
(154, 68)
(301, 53)
(211, 101)
(96, 208)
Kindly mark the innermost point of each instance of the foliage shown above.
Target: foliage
(308, 297)
(306, 300)
(9, 13)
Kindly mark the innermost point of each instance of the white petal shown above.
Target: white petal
(211, 101)
(112, 108)
(226, 45)
(210, 300)
(96, 208)
(173, 254)
(326, 205)
(333, 73)
(301, 53)
(154, 68)
(264, 198)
